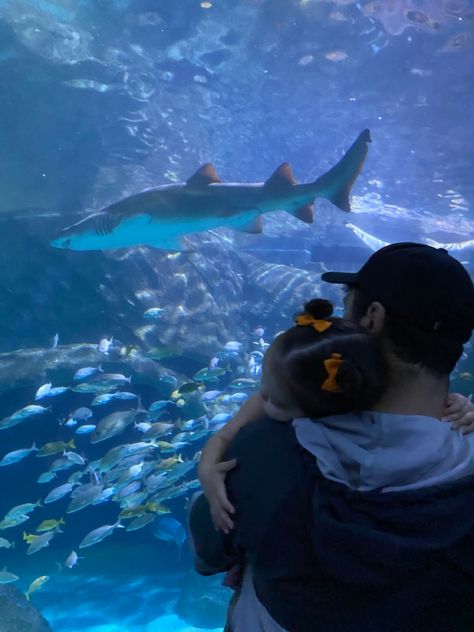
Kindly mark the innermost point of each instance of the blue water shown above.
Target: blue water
(103, 99)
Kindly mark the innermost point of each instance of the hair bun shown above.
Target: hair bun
(319, 308)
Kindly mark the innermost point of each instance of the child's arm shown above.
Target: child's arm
(212, 471)
(460, 411)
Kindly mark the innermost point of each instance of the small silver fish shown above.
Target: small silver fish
(56, 390)
(86, 371)
(43, 391)
(84, 496)
(110, 379)
(97, 535)
(46, 477)
(159, 404)
(238, 398)
(209, 375)
(104, 345)
(101, 399)
(6, 577)
(90, 387)
(28, 411)
(233, 345)
(85, 429)
(58, 492)
(220, 418)
(75, 458)
(40, 542)
(124, 395)
(13, 522)
(243, 382)
(113, 425)
(81, 414)
(71, 559)
(89, 84)
(210, 396)
(140, 522)
(153, 313)
(143, 426)
(17, 455)
(61, 464)
(22, 510)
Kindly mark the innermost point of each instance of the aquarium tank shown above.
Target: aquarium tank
(175, 177)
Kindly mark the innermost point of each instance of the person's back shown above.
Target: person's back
(325, 557)
(328, 548)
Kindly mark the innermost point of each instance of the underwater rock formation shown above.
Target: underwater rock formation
(27, 367)
(17, 614)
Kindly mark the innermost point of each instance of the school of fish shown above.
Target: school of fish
(138, 475)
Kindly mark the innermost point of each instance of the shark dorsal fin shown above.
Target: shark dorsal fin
(281, 177)
(206, 174)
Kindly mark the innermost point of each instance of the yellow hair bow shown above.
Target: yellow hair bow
(332, 365)
(318, 324)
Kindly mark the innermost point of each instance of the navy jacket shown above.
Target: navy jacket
(326, 558)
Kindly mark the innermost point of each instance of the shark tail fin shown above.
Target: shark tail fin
(337, 182)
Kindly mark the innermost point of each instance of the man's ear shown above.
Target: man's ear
(374, 318)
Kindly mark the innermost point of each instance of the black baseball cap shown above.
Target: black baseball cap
(424, 284)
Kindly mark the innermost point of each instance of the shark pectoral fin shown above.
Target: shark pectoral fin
(305, 213)
(338, 181)
(254, 226)
(205, 175)
(281, 178)
(174, 244)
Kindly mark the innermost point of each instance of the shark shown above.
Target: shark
(161, 216)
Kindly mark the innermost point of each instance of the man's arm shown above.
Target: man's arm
(212, 471)
(213, 550)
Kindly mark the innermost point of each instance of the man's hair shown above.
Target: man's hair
(433, 350)
(298, 364)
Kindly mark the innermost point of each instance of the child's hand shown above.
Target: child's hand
(212, 479)
(460, 411)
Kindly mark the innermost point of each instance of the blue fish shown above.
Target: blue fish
(161, 216)
(169, 529)
(86, 371)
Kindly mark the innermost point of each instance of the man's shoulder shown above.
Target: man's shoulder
(264, 449)
(264, 433)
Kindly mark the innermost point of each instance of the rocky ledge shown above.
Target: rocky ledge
(17, 614)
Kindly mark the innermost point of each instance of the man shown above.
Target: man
(375, 534)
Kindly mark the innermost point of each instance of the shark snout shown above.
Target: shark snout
(61, 242)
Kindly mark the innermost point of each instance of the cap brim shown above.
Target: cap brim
(347, 278)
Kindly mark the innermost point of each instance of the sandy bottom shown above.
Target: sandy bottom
(102, 604)
(167, 623)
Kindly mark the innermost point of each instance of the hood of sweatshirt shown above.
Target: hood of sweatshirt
(375, 450)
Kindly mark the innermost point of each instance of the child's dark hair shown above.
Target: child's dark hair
(298, 363)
